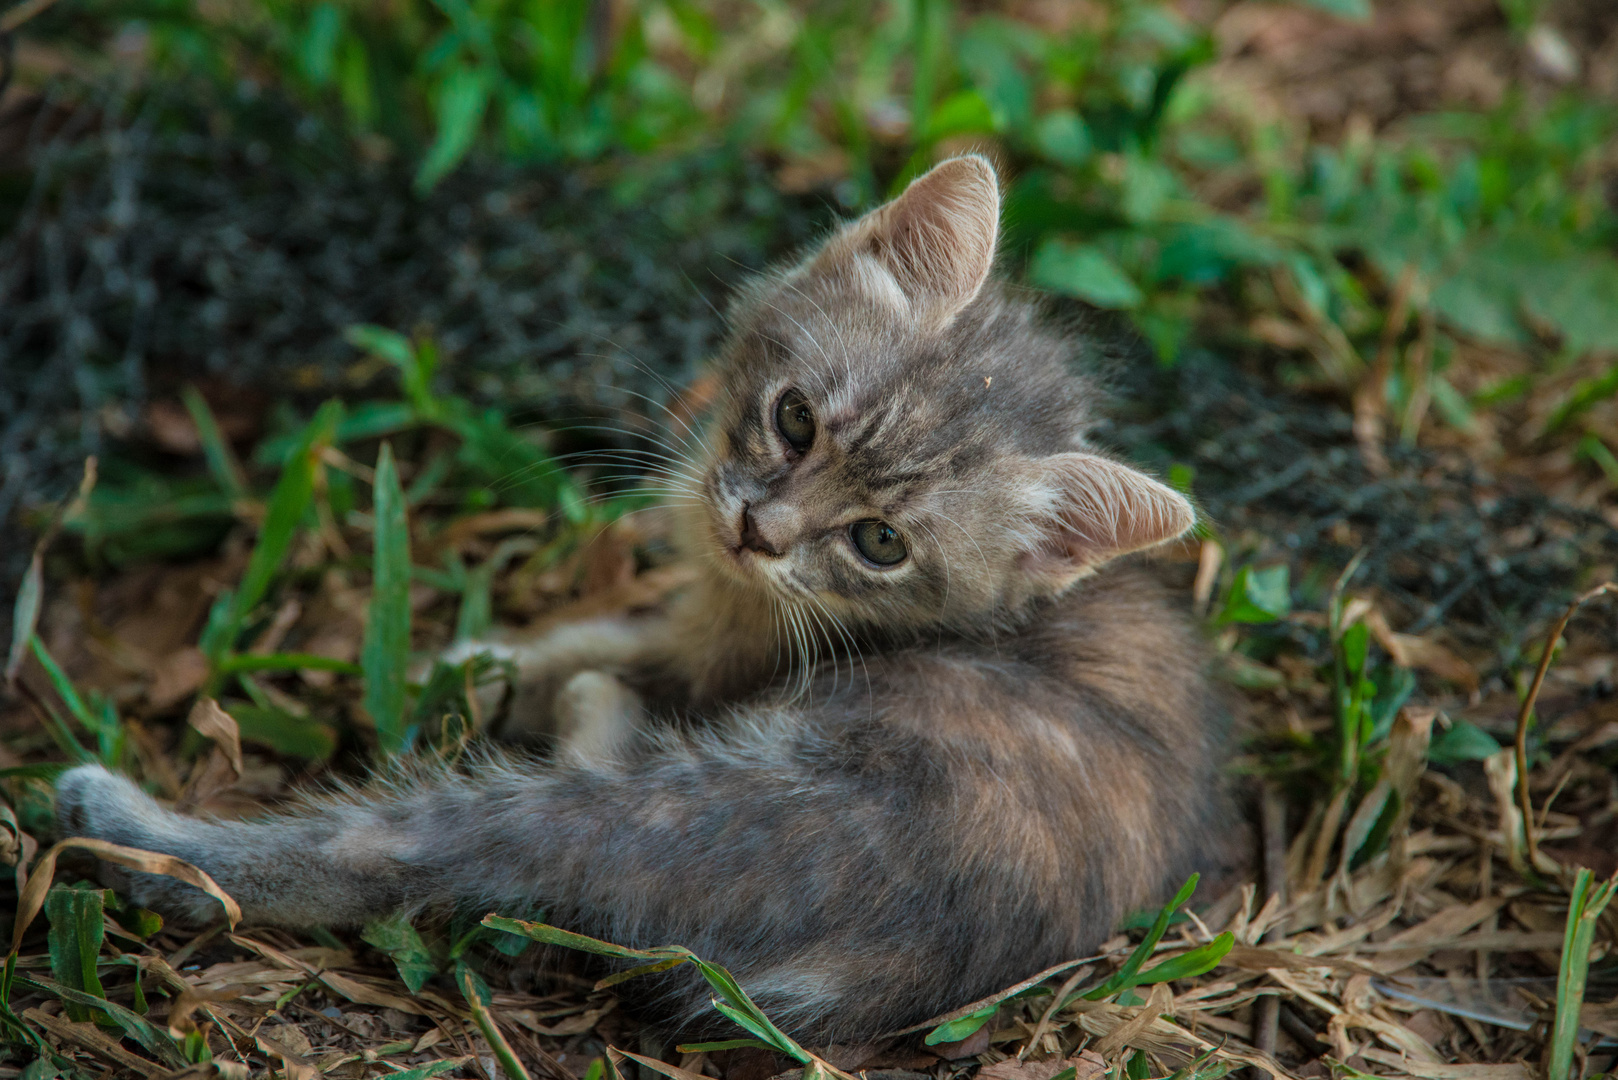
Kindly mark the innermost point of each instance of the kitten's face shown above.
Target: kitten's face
(898, 446)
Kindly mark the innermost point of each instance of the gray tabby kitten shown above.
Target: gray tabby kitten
(896, 483)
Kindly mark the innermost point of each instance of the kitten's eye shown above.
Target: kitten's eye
(878, 541)
(795, 420)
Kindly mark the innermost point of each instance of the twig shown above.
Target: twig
(1524, 801)
(1273, 830)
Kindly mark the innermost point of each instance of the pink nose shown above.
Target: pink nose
(751, 538)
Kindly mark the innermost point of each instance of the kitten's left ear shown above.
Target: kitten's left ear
(935, 242)
(1088, 510)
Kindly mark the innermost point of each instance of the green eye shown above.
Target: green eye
(878, 541)
(795, 420)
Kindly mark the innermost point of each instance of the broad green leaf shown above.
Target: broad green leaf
(385, 654)
(390, 345)
(960, 113)
(317, 51)
(284, 732)
(1202, 959)
(1462, 741)
(459, 106)
(76, 933)
(958, 1029)
(395, 936)
(1259, 595)
(1062, 136)
(1085, 272)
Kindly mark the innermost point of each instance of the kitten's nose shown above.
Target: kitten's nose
(751, 538)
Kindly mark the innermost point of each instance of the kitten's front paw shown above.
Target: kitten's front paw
(100, 805)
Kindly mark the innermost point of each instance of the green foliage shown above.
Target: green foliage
(76, 917)
(730, 1000)
(1585, 906)
(394, 935)
(1462, 741)
(1130, 974)
(1258, 596)
(386, 652)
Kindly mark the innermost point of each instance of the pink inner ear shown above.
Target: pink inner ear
(938, 238)
(1105, 509)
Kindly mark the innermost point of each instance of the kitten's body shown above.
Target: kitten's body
(910, 781)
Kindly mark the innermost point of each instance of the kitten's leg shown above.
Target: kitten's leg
(543, 665)
(596, 715)
(832, 882)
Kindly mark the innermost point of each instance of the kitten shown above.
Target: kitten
(984, 744)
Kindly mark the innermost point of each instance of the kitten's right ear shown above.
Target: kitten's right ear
(1087, 510)
(933, 245)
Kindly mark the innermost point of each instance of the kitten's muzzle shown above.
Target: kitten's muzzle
(750, 539)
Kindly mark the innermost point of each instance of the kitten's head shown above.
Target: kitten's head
(899, 442)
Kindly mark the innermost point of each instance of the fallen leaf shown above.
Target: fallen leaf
(32, 896)
(1086, 1065)
(217, 724)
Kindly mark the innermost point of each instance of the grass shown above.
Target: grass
(1445, 281)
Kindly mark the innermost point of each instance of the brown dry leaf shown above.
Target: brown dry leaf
(217, 724)
(1087, 1065)
(1159, 1002)
(1421, 652)
(89, 1037)
(294, 1065)
(361, 994)
(673, 1072)
(1426, 1070)
(32, 896)
(577, 1024)
(1257, 958)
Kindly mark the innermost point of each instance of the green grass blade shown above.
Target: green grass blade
(722, 1044)
(1122, 979)
(385, 655)
(550, 935)
(287, 662)
(740, 1008)
(25, 615)
(221, 459)
(134, 1025)
(1203, 958)
(1584, 908)
(644, 969)
(288, 504)
(64, 686)
(477, 999)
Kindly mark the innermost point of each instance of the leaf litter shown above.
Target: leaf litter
(1398, 922)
